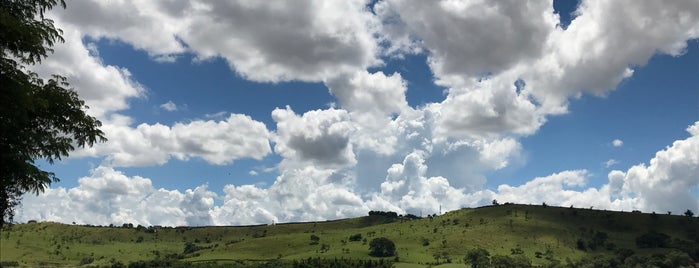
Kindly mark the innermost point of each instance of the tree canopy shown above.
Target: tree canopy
(477, 257)
(382, 247)
(39, 119)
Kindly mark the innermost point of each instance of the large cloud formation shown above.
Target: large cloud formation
(263, 41)
(307, 194)
(506, 67)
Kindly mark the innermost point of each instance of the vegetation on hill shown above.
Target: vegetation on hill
(507, 235)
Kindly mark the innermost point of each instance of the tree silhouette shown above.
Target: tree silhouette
(689, 213)
(39, 119)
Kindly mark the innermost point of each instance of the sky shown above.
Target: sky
(257, 112)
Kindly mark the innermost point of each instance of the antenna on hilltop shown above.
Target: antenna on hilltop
(440, 209)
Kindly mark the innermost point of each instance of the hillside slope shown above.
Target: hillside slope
(545, 235)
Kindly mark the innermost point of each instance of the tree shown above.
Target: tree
(314, 239)
(689, 213)
(652, 239)
(382, 247)
(39, 119)
(355, 237)
(477, 257)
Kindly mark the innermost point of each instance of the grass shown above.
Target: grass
(500, 229)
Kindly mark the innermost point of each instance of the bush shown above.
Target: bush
(477, 257)
(314, 239)
(87, 260)
(355, 237)
(190, 247)
(652, 239)
(382, 247)
(9, 264)
(580, 244)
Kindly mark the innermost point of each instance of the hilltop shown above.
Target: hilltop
(541, 235)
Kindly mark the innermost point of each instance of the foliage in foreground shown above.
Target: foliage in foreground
(40, 119)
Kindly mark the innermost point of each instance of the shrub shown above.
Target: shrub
(355, 237)
(314, 239)
(477, 257)
(425, 242)
(382, 247)
(190, 247)
(580, 244)
(652, 239)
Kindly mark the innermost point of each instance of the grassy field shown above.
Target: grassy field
(543, 234)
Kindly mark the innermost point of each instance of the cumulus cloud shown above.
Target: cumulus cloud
(309, 193)
(264, 41)
(372, 100)
(617, 143)
(407, 189)
(169, 106)
(150, 26)
(217, 142)
(106, 197)
(370, 92)
(491, 108)
(664, 184)
(506, 67)
(320, 137)
(474, 38)
(509, 65)
(105, 88)
(596, 51)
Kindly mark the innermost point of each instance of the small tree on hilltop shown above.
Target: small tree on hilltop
(689, 213)
(382, 247)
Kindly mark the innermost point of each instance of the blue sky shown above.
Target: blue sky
(403, 106)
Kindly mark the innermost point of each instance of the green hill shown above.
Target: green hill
(543, 235)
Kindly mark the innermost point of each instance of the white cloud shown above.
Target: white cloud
(217, 142)
(493, 46)
(406, 189)
(604, 43)
(105, 88)
(617, 143)
(169, 106)
(474, 38)
(372, 99)
(298, 194)
(662, 185)
(308, 193)
(374, 152)
(320, 137)
(491, 108)
(150, 26)
(264, 41)
(610, 163)
(370, 92)
(541, 189)
(107, 197)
